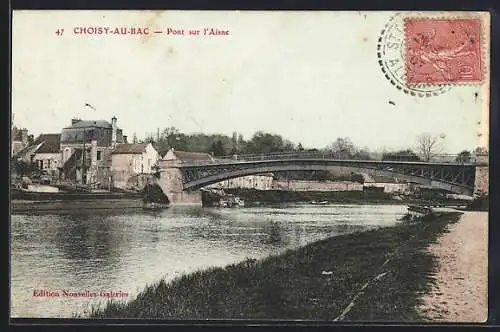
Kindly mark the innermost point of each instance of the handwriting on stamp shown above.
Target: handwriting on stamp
(440, 51)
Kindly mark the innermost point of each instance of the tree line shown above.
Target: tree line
(218, 144)
(427, 146)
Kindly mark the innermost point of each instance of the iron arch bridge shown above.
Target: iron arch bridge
(451, 176)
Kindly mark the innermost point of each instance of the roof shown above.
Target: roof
(264, 174)
(189, 156)
(50, 143)
(24, 150)
(129, 148)
(90, 123)
(44, 143)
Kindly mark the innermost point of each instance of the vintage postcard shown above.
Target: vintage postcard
(256, 165)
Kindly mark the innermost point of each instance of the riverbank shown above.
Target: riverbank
(63, 206)
(374, 275)
(460, 293)
(253, 197)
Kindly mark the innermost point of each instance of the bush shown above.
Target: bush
(154, 194)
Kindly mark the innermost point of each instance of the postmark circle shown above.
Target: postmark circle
(391, 59)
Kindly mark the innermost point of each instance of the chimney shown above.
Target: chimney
(125, 139)
(113, 132)
(75, 120)
(24, 136)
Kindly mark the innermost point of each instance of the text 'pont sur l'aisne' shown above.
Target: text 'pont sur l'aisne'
(142, 31)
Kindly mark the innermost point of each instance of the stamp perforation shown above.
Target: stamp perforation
(482, 46)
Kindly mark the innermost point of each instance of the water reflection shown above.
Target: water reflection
(125, 250)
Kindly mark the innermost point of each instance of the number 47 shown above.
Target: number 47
(59, 32)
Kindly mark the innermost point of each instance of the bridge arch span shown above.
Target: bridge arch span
(227, 174)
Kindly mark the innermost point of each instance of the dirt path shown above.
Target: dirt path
(461, 292)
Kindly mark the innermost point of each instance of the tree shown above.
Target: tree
(362, 154)
(241, 143)
(300, 147)
(234, 142)
(23, 168)
(218, 149)
(464, 157)
(31, 140)
(429, 145)
(402, 155)
(262, 142)
(342, 148)
(150, 139)
(288, 146)
(170, 137)
(481, 151)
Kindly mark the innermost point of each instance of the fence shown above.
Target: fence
(318, 155)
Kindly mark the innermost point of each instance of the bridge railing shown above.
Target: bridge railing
(441, 158)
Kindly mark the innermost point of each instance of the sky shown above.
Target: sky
(308, 76)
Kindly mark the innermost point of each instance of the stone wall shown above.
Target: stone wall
(403, 188)
(296, 185)
(259, 182)
(185, 198)
(140, 180)
(171, 183)
(481, 184)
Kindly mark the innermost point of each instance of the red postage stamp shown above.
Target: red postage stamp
(443, 51)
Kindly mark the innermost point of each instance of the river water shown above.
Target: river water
(123, 251)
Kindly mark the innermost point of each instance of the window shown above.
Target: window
(99, 156)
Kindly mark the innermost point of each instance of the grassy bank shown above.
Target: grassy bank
(376, 275)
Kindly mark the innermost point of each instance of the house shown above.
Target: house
(44, 152)
(258, 182)
(391, 187)
(19, 139)
(304, 185)
(129, 160)
(187, 156)
(97, 138)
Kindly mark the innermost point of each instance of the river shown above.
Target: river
(122, 251)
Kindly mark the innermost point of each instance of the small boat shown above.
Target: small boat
(319, 203)
(419, 209)
(239, 201)
(231, 201)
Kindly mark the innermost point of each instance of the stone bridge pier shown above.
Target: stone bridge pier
(481, 183)
(171, 183)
